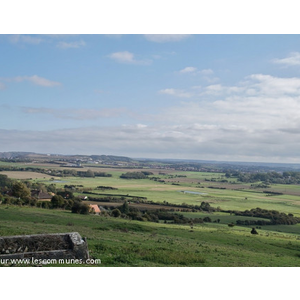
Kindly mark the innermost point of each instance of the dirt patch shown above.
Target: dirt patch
(25, 175)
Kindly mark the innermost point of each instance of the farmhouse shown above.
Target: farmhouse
(94, 209)
(40, 195)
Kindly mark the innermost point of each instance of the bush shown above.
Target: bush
(133, 175)
(58, 201)
(207, 219)
(116, 213)
(80, 208)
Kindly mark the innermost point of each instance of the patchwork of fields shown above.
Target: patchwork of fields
(119, 242)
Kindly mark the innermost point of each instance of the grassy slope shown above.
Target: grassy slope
(119, 242)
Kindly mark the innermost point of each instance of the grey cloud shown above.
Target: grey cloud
(158, 141)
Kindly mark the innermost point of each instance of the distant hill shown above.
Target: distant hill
(111, 158)
(12, 155)
(39, 156)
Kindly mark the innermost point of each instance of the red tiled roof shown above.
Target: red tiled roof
(95, 208)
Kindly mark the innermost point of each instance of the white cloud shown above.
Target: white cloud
(123, 57)
(127, 58)
(37, 80)
(176, 93)
(188, 70)
(141, 125)
(247, 121)
(207, 72)
(67, 45)
(214, 89)
(77, 114)
(275, 86)
(163, 38)
(292, 60)
(27, 39)
(218, 89)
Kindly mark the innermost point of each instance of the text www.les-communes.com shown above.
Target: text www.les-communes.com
(53, 261)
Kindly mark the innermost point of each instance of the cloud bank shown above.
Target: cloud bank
(257, 119)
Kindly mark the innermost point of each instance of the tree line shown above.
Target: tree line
(56, 172)
(267, 177)
(274, 217)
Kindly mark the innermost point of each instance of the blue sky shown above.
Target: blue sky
(216, 97)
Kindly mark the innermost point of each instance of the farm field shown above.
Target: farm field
(227, 196)
(25, 175)
(123, 242)
(226, 199)
(119, 242)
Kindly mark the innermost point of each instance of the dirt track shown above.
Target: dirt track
(139, 205)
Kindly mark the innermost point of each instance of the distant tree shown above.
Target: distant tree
(84, 209)
(66, 194)
(57, 201)
(38, 186)
(80, 208)
(5, 182)
(133, 175)
(51, 188)
(125, 208)
(20, 190)
(89, 173)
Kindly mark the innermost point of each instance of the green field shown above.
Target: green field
(227, 199)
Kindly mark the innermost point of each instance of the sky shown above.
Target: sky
(224, 97)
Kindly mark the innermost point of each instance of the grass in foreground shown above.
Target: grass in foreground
(119, 242)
